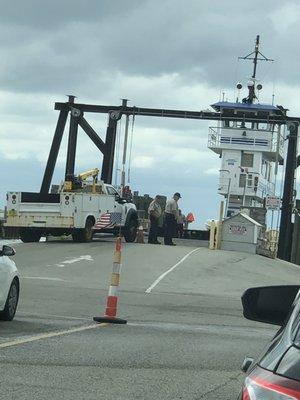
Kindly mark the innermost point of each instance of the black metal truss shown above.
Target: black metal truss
(107, 148)
(243, 116)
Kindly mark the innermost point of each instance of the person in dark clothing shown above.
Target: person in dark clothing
(170, 224)
(154, 212)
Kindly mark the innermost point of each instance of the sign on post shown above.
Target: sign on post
(273, 202)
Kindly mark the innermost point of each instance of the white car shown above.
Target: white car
(9, 284)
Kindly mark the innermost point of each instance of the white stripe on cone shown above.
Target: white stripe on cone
(113, 291)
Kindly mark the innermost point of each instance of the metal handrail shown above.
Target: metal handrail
(214, 140)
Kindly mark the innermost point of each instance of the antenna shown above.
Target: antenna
(256, 56)
(256, 53)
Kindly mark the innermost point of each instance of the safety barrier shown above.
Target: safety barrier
(110, 315)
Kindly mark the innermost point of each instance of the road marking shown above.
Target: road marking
(161, 277)
(74, 260)
(44, 278)
(49, 335)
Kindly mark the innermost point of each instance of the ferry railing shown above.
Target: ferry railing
(218, 137)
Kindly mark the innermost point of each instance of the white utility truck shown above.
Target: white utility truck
(78, 208)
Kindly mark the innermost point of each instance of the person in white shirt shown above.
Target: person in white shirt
(171, 216)
(154, 212)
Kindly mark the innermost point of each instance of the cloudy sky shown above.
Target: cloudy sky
(157, 53)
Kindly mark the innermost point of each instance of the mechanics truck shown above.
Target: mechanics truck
(80, 207)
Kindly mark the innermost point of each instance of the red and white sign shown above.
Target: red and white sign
(273, 202)
(238, 229)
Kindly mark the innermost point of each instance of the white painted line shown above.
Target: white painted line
(74, 260)
(49, 335)
(45, 278)
(161, 277)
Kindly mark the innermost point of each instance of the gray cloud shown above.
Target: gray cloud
(53, 14)
(60, 46)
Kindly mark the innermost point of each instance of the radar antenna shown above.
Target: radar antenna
(256, 56)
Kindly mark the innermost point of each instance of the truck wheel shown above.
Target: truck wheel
(29, 236)
(84, 235)
(11, 303)
(130, 230)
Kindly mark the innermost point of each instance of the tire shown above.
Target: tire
(130, 230)
(84, 235)
(29, 236)
(11, 302)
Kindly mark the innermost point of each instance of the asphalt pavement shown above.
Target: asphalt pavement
(185, 338)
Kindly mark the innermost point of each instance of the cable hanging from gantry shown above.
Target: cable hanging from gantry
(130, 151)
(118, 151)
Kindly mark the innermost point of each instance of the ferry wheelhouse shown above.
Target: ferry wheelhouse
(250, 152)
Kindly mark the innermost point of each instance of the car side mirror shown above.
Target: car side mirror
(120, 199)
(269, 304)
(7, 251)
(248, 361)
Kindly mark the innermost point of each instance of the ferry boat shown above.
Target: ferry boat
(250, 152)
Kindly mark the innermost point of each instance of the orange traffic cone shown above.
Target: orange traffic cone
(140, 235)
(112, 298)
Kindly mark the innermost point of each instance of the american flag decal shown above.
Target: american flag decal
(108, 220)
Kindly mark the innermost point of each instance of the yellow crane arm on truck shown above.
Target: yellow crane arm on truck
(92, 172)
(68, 185)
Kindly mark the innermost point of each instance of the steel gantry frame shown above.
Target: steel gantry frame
(77, 113)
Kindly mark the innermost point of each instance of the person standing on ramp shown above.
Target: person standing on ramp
(171, 216)
(154, 212)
